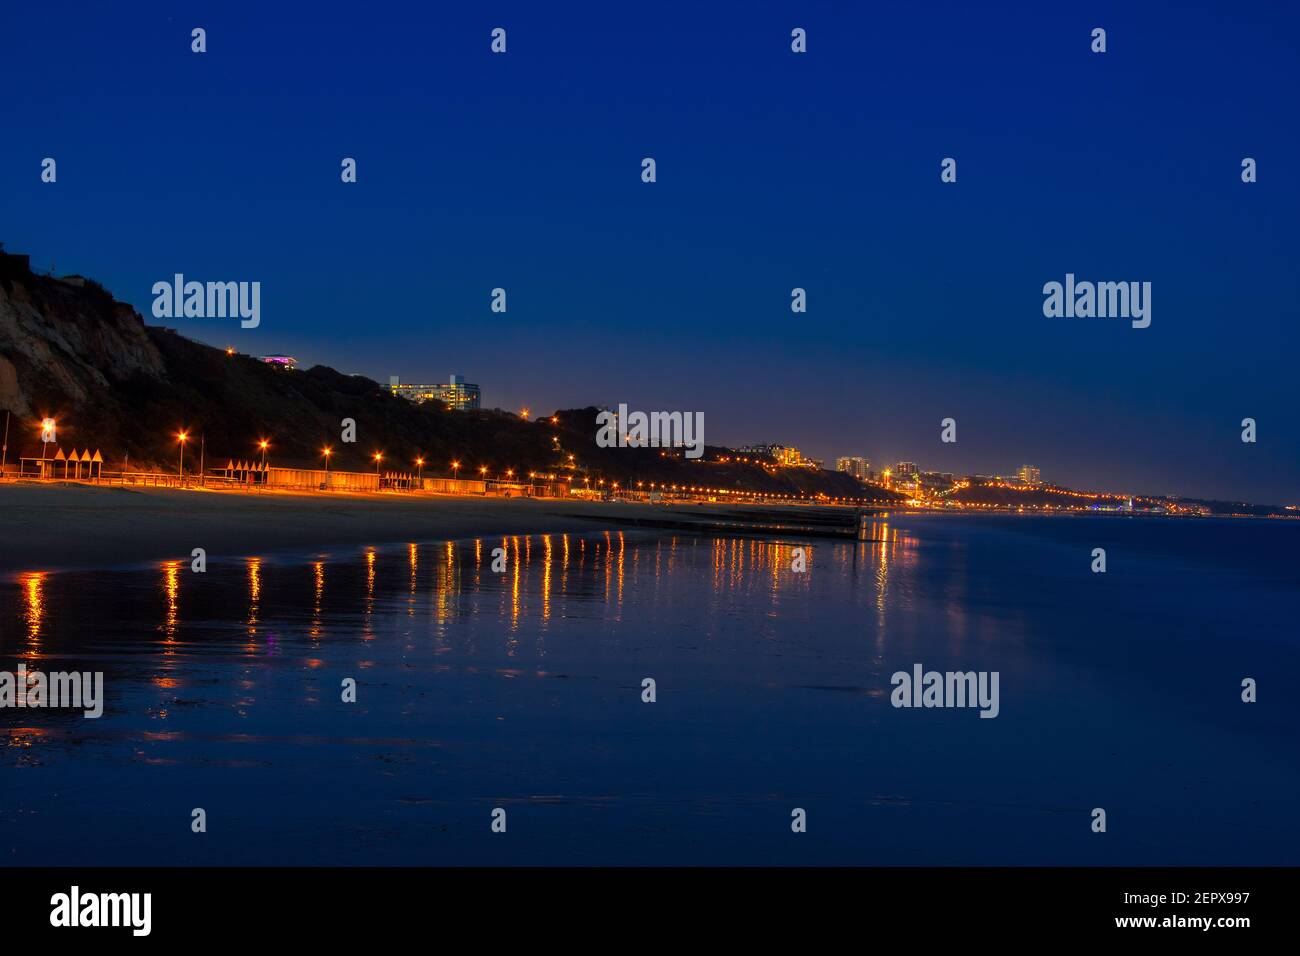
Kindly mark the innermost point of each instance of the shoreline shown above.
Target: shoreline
(71, 526)
(82, 526)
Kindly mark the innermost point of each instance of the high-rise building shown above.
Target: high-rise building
(905, 468)
(458, 394)
(857, 467)
(1030, 475)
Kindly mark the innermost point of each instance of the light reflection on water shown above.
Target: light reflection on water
(522, 689)
(33, 584)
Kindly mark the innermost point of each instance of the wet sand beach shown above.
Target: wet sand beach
(73, 525)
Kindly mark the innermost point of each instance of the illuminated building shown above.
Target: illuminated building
(859, 468)
(781, 454)
(904, 468)
(1029, 475)
(457, 394)
(279, 361)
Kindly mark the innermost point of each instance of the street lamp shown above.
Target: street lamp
(264, 445)
(455, 467)
(181, 437)
(420, 464)
(379, 456)
(48, 435)
(327, 451)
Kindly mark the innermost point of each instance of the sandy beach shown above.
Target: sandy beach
(48, 527)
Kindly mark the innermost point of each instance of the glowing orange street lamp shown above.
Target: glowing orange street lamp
(180, 468)
(419, 462)
(523, 413)
(379, 456)
(482, 470)
(264, 445)
(48, 435)
(455, 467)
(510, 472)
(327, 451)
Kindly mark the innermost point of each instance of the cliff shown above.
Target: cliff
(69, 351)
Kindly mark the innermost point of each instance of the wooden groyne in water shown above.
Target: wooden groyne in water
(846, 524)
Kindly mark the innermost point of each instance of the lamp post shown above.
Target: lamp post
(327, 451)
(419, 463)
(264, 445)
(180, 468)
(48, 435)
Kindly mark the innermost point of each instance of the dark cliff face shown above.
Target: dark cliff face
(65, 342)
(69, 351)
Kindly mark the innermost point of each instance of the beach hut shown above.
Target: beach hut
(97, 463)
(59, 456)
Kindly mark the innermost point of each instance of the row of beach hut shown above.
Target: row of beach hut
(83, 465)
(253, 472)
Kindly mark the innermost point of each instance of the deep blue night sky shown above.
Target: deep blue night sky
(775, 170)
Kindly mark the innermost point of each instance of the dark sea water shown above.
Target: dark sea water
(522, 690)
